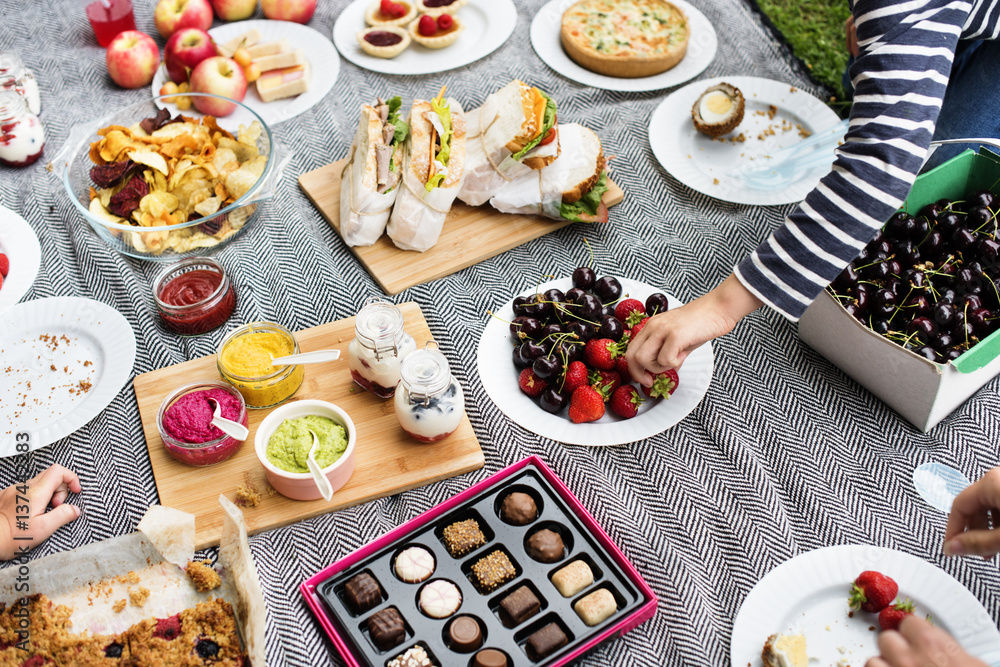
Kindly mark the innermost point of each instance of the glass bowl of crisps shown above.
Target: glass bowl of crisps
(160, 187)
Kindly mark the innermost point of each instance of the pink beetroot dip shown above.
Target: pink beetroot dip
(189, 419)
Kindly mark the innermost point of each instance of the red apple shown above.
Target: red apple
(299, 11)
(219, 76)
(132, 59)
(234, 10)
(187, 48)
(172, 15)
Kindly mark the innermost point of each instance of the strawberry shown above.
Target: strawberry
(445, 22)
(601, 353)
(575, 376)
(890, 617)
(427, 26)
(637, 327)
(605, 383)
(586, 405)
(872, 592)
(664, 384)
(621, 367)
(625, 401)
(630, 311)
(531, 384)
(4, 265)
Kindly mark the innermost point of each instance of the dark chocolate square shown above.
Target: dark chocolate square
(362, 593)
(519, 606)
(546, 641)
(387, 628)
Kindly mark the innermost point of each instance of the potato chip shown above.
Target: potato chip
(250, 135)
(150, 159)
(180, 145)
(101, 211)
(243, 179)
(209, 206)
(241, 151)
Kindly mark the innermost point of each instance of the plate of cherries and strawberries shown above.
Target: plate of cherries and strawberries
(553, 360)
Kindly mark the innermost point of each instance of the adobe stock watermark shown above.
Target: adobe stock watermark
(22, 515)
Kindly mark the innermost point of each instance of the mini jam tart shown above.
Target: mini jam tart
(441, 38)
(437, 7)
(375, 17)
(383, 41)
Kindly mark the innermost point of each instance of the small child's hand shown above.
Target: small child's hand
(48, 489)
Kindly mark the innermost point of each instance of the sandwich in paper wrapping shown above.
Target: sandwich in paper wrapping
(373, 173)
(568, 189)
(433, 169)
(510, 135)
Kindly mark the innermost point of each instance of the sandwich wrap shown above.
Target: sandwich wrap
(432, 176)
(371, 178)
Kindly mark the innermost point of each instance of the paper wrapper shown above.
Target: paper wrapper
(92, 578)
(363, 213)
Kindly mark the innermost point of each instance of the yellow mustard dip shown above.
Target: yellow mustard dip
(245, 362)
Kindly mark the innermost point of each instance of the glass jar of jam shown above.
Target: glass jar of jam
(15, 76)
(185, 422)
(194, 296)
(378, 347)
(244, 361)
(429, 402)
(22, 138)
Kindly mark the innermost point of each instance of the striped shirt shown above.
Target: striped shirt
(899, 79)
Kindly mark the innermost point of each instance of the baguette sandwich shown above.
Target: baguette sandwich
(372, 177)
(511, 134)
(571, 188)
(433, 170)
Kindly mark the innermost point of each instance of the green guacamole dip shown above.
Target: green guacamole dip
(289, 446)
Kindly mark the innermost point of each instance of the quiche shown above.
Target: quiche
(625, 38)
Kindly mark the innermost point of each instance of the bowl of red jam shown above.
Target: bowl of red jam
(185, 422)
(194, 296)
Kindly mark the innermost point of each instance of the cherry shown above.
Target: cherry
(550, 330)
(907, 252)
(539, 307)
(925, 329)
(964, 332)
(896, 227)
(552, 401)
(584, 277)
(555, 295)
(885, 302)
(962, 239)
(657, 302)
(978, 318)
(570, 351)
(988, 252)
(575, 294)
(847, 279)
(880, 326)
(972, 301)
(920, 229)
(943, 341)
(927, 352)
(967, 281)
(944, 313)
(947, 223)
(546, 367)
(932, 246)
(580, 330)
(952, 353)
(947, 296)
(983, 198)
(531, 350)
(898, 288)
(612, 327)
(855, 311)
(608, 288)
(525, 327)
(590, 307)
(879, 271)
(919, 304)
(862, 299)
(979, 216)
(931, 211)
(519, 361)
(608, 311)
(894, 267)
(913, 277)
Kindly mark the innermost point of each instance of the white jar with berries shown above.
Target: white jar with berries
(22, 138)
(380, 344)
(429, 402)
(15, 76)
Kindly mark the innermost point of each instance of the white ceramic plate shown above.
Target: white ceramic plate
(75, 353)
(499, 378)
(324, 65)
(702, 45)
(697, 161)
(488, 24)
(808, 595)
(19, 242)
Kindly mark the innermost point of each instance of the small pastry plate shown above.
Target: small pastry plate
(19, 242)
(488, 25)
(777, 115)
(499, 376)
(808, 595)
(702, 46)
(324, 67)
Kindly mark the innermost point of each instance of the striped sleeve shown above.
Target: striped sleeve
(900, 80)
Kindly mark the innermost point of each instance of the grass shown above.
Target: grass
(815, 30)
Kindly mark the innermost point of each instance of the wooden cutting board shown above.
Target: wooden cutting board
(387, 460)
(471, 234)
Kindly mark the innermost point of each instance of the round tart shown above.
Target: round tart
(384, 41)
(439, 40)
(436, 8)
(718, 110)
(625, 38)
(375, 17)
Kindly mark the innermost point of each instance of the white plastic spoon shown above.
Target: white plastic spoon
(322, 483)
(315, 357)
(938, 484)
(229, 427)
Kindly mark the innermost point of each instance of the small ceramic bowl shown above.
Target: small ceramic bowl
(301, 486)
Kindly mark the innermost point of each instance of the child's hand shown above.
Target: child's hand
(31, 499)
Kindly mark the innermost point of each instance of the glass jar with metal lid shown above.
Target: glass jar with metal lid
(429, 402)
(23, 138)
(15, 76)
(380, 343)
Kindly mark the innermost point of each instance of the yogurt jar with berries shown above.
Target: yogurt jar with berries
(429, 401)
(22, 138)
(379, 346)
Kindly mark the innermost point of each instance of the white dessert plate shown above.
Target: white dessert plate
(488, 24)
(19, 242)
(808, 595)
(500, 377)
(702, 45)
(64, 360)
(324, 65)
(702, 163)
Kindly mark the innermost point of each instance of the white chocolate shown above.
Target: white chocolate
(440, 599)
(414, 565)
(596, 607)
(573, 578)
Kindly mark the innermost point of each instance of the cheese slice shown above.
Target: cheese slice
(268, 49)
(281, 60)
(247, 39)
(281, 83)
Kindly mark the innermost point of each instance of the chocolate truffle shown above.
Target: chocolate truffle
(518, 509)
(573, 578)
(596, 607)
(362, 593)
(493, 571)
(386, 628)
(440, 599)
(546, 546)
(464, 635)
(489, 657)
(463, 537)
(414, 565)
(415, 656)
(519, 606)
(546, 641)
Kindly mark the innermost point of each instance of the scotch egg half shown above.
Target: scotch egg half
(718, 110)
